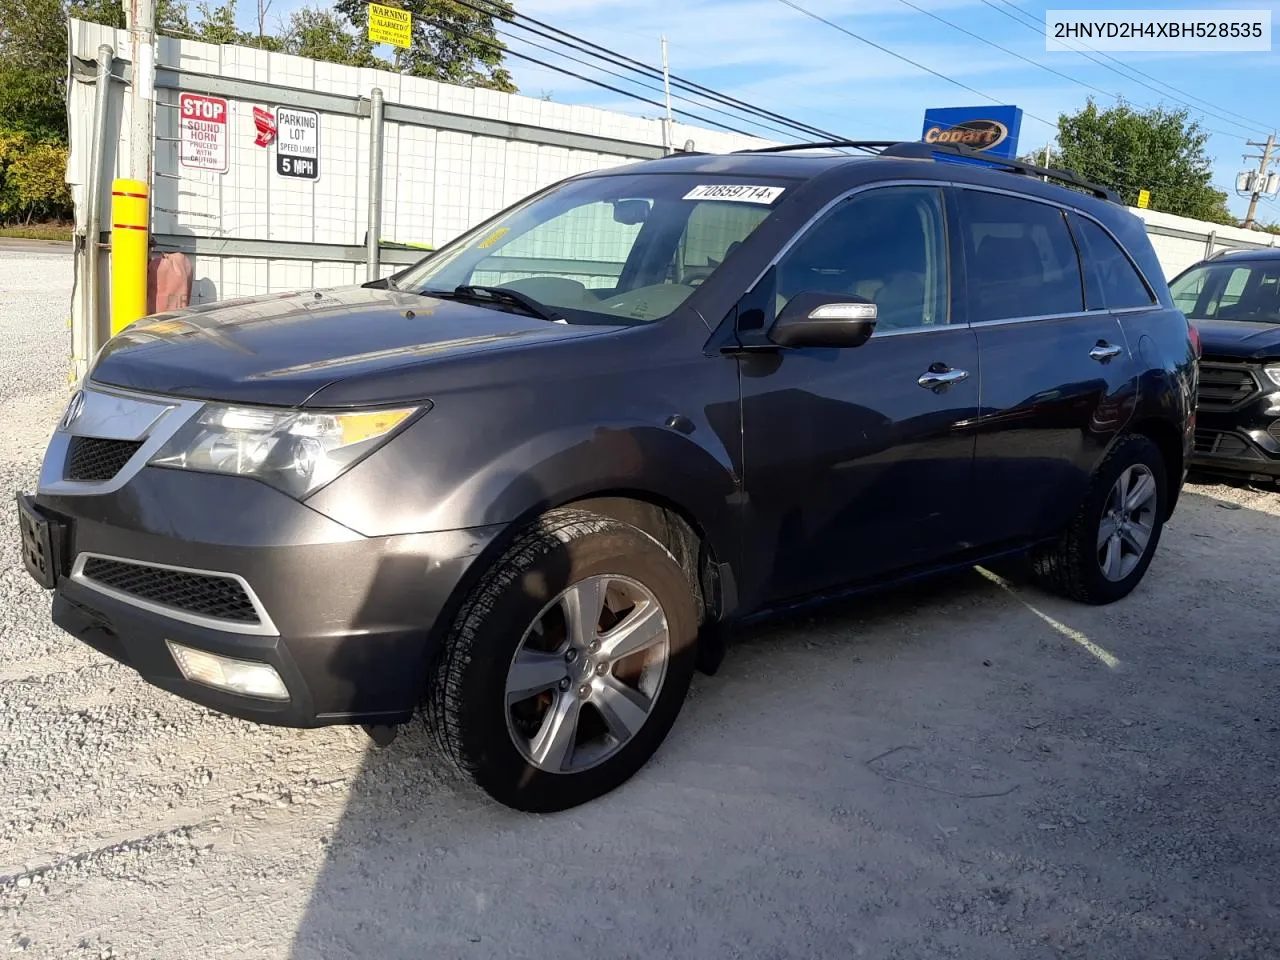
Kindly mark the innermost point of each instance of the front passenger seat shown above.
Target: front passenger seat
(900, 302)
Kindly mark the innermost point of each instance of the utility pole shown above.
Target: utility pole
(1258, 184)
(142, 51)
(667, 136)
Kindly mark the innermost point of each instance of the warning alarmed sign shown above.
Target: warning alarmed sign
(203, 132)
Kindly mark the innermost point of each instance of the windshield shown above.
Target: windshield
(1230, 290)
(605, 249)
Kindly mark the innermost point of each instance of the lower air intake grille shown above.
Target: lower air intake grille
(95, 459)
(1217, 443)
(220, 598)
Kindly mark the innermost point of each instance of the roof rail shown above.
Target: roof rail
(868, 145)
(918, 150)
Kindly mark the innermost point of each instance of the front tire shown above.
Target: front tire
(1105, 551)
(567, 665)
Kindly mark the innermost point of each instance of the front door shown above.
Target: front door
(855, 463)
(1057, 376)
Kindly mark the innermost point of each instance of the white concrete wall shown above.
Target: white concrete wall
(1176, 253)
(436, 184)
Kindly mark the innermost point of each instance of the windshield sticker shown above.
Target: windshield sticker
(493, 238)
(737, 192)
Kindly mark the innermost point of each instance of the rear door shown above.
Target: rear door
(1057, 375)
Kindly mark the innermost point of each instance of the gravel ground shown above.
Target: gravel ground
(972, 769)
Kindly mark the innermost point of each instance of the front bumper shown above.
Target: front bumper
(351, 620)
(1240, 443)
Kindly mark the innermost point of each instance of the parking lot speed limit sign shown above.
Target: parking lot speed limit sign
(297, 143)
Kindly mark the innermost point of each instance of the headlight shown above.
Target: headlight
(296, 451)
(1272, 370)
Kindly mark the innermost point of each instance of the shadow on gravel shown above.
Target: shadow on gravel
(934, 771)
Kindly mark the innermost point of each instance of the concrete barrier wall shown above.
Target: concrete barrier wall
(452, 156)
(1180, 241)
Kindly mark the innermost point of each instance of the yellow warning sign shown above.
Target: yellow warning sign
(1144, 198)
(390, 25)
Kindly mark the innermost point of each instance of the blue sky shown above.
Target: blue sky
(764, 52)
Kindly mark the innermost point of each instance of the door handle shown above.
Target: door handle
(1103, 351)
(940, 376)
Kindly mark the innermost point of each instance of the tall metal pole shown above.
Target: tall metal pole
(374, 220)
(85, 342)
(1263, 164)
(142, 51)
(668, 136)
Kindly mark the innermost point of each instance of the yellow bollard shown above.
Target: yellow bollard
(130, 220)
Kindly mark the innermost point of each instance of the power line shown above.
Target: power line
(790, 129)
(521, 20)
(638, 82)
(1128, 66)
(1012, 53)
(920, 66)
(1024, 19)
(504, 49)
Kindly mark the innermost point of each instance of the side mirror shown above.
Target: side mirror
(824, 320)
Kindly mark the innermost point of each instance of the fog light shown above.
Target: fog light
(248, 677)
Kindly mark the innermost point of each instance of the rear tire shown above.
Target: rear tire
(1097, 560)
(537, 701)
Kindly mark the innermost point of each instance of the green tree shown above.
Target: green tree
(33, 57)
(1158, 149)
(452, 42)
(217, 24)
(31, 178)
(322, 35)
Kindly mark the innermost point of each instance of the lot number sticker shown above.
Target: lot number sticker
(737, 192)
(203, 134)
(297, 143)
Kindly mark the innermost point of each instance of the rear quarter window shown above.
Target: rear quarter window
(1116, 278)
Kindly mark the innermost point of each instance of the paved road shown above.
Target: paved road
(965, 770)
(42, 248)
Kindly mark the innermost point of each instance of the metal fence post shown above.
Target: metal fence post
(1210, 243)
(374, 234)
(86, 341)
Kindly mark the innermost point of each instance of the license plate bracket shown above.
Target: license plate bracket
(43, 540)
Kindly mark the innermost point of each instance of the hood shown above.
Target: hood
(280, 349)
(1239, 339)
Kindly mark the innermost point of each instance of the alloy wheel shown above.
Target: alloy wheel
(1128, 521)
(587, 674)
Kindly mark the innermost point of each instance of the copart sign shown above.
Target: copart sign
(992, 130)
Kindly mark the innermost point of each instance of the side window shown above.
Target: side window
(711, 233)
(1121, 285)
(886, 245)
(1020, 258)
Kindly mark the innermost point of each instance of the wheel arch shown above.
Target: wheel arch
(1168, 441)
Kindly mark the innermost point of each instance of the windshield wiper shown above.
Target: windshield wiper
(499, 295)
